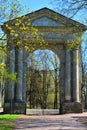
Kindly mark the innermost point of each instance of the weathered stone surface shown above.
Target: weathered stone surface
(45, 21)
(15, 107)
(72, 107)
(68, 76)
(58, 31)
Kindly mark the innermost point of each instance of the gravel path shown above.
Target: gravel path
(52, 122)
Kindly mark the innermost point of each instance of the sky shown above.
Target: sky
(37, 4)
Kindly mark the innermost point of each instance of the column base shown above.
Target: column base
(15, 107)
(71, 107)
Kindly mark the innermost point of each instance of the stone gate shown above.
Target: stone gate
(59, 32)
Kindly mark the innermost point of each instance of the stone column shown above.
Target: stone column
(76, 76)
(19, 75)
(9, 91)
(24, 74)
(68, 76)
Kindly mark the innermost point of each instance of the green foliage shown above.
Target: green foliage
(43, 80)
(8, 117)
(7, 121)
(13, 23)
(74, 43)
(4, 74)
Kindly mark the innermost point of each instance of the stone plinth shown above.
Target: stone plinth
(72, 107)
(15, 107)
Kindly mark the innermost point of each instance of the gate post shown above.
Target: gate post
(74, 104)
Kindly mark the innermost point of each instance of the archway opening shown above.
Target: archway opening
(43, 90)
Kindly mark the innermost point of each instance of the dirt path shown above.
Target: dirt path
(52, 122)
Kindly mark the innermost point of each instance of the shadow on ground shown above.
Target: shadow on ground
(50, 122)
(82, 119)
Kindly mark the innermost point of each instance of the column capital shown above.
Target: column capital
(67, 47)
(76, 48)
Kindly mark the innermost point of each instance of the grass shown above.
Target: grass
(7, 121)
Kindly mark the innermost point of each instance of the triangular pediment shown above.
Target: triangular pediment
(48, 17)
(46, 21)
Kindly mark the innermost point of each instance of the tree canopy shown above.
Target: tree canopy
(70, 7)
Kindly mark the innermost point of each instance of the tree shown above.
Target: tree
(84, 74)
(12, 18)
(55, 65)
(38, 81)
(14, 22)
(34, 84)
(9, 9)
(70, 7)
(44, 79)
(4, 75)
